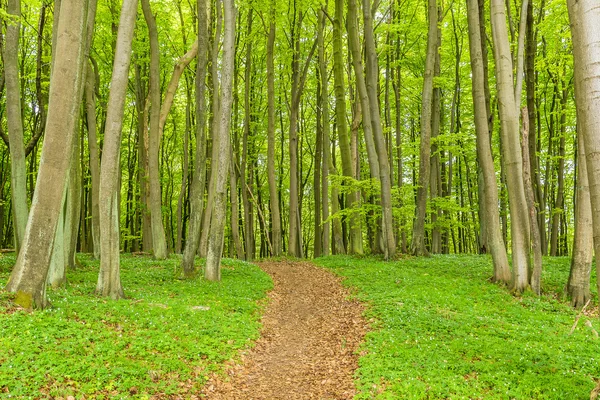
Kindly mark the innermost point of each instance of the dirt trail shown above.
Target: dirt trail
(310, 335)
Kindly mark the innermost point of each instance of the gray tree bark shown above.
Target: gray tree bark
(418, 247)
(585, 31)
(199, 179)
(159, 242)
(109, 279)
(18, 172)
(29, 275)
(511, 149)
(217, 226)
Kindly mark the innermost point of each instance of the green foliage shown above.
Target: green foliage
(165, 338)
(441, 330)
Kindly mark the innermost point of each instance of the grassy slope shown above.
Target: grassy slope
(442, 330)
(153, 342)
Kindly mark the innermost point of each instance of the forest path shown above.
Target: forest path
(307, 349)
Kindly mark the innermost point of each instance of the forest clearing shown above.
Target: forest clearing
(435, 160)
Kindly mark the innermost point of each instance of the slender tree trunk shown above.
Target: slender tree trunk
(246, 168)
(109, 280)
(28, 277)
(585, 31)
(536, 245)
(90, 102)
(199, 178)
(273, 197)
(324, 103)
(159, 242)
(15, 123)
(217, 226)
(511, 149)
(418, 236)
(355, 244)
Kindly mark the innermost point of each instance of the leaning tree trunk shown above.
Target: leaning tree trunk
(418, 240)
(109, 279)
(199, 179)
(511, 149)
(18, 172)
(159, 242)
(484, 150)
(217, 226)
(585, 31)
(28, 277)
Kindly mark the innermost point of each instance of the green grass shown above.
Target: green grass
(441, 330)
(153, 342)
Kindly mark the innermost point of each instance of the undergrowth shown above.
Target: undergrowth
(441, 330)
(165, 338)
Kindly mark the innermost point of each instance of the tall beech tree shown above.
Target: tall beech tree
(109, 279)
(217, 226)
(28, 278)
(584, 16)
(511, 148)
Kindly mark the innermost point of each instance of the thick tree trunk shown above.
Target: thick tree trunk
(199, 178)
(159, 242)
(217, 226)
(511, 149)
(418, 235)
(15, 123)
(578, 286)
(484, 150)
(585, 30)
(29, 274)
(109, 280)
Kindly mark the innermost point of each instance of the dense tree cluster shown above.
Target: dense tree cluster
(255, 129)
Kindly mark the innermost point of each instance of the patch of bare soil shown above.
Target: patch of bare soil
(308, 344)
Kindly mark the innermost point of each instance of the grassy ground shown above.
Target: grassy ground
(442, 330)
(165, 338)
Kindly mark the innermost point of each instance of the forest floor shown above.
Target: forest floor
(309, 342)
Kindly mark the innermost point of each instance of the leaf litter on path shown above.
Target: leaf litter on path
(309, 342)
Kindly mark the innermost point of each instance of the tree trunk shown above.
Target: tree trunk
(511, 149)
(217, 226)
(109, 280)
(578, 286)
(15, 124)
(355, 244)
(585, 30)
(28, 277)
(372, 73)
(324, 103)
(484, 150)
(199, 178)
(273, 197)
(159, 242)
(418, 236)
(90, 103)
(536, 245)
(246, 168)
